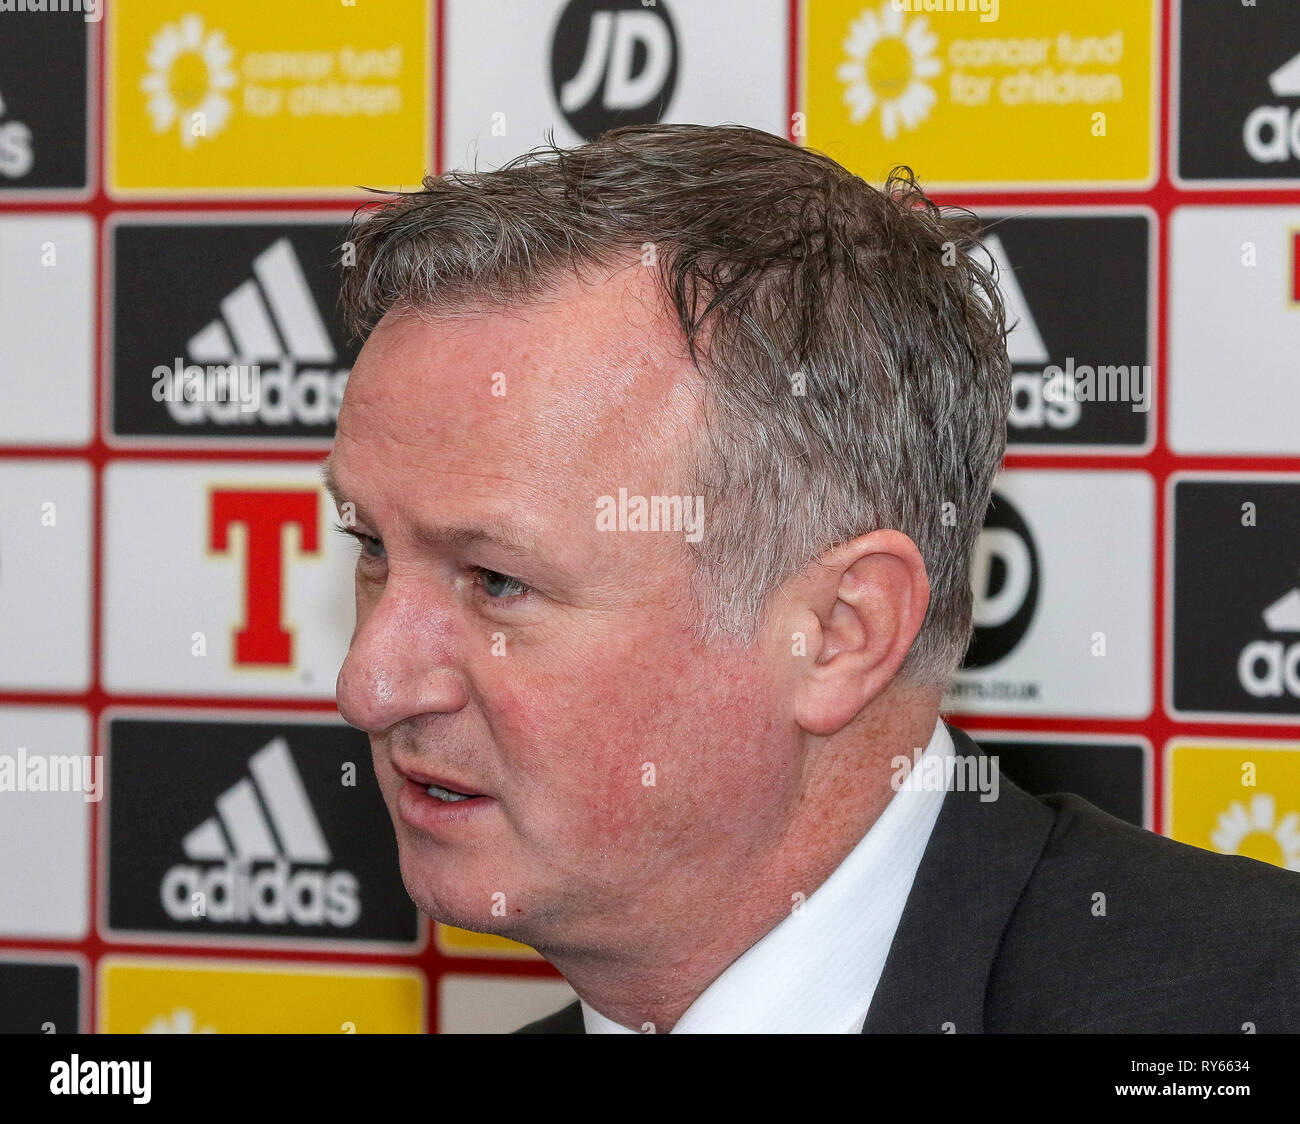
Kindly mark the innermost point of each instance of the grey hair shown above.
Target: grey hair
(785, 272)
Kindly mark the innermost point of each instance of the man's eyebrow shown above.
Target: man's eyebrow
(491, 529)
(331, 481)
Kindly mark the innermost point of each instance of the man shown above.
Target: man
(666, 457)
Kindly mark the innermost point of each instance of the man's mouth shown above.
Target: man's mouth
(431, 784)
(447, 795)
(430, 805)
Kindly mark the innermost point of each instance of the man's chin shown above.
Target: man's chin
(437, 909)
(450, 905)
(447, 906)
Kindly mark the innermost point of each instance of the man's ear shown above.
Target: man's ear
(860, 607)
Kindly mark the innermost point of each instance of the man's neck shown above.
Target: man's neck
(672, 956)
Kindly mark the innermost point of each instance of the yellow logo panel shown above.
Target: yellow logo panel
(271, 97)
(463, 942)
(1237, 798)
(1017, 92)
(242, 997)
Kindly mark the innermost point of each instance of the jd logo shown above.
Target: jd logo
(1004, 578)
(613, 62)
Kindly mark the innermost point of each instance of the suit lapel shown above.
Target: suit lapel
(972, 874)
(567, 1020)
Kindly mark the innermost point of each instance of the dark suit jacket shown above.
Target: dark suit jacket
(999, 932)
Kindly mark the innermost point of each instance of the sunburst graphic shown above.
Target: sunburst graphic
(180, 1021)
(189, 72)
(889, 60)
(1258, 834)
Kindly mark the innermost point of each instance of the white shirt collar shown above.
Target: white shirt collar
(817, 970)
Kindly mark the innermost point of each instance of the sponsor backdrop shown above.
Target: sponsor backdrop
(193, 840)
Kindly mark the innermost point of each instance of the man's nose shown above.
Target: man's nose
(401, 662)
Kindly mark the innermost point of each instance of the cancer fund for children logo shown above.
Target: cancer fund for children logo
(1051, 93)
(209, 99)
(888, 68)
(1237, 798)
(189, 75)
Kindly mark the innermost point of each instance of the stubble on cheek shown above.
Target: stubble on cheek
(657, 772)
(389, 782)
(586, 747)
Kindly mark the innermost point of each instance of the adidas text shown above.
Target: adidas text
(230, 385)
(270, 895)
(1270, 669)
(1272, 134)
(280, 396)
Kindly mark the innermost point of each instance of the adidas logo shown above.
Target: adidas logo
(267, 819)
(1269, 668)
(1284, 614)
(1032, 407)
(1024, 341)
(271, 321)
(1272, 132)
(15, 147)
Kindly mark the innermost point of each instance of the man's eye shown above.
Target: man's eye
(500, 587)
(371, 546)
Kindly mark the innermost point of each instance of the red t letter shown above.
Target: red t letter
(264, 639)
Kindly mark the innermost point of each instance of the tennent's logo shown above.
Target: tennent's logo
(262, 857)
(264, 639)
(888, 60)
(1295, 269)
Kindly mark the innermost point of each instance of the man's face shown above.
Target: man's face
(625, 771)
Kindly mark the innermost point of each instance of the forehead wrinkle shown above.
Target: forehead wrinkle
(616, 333)
(491, 527)
(633, 419)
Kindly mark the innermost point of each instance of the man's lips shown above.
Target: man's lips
(424, 779)
(421, 806)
